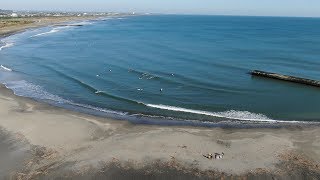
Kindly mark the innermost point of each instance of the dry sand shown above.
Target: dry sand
(72, 144)
(13, 25)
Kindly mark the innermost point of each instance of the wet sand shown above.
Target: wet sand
(51, 142)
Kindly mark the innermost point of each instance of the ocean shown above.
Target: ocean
(170, 69)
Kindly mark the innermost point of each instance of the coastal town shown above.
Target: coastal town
(17, 21)
(22, 14)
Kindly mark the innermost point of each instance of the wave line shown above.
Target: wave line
(231, 114)
(5, 68)
(7, 45)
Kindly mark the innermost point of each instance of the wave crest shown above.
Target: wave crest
(91, 88)
(232, 114)
(49, 32)
(26, 89)
(5, 68)
(6, 45)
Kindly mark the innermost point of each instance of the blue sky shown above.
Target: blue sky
(218, 7)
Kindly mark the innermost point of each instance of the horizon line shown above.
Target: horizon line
(159, 13)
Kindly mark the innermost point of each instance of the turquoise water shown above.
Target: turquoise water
(118, 66)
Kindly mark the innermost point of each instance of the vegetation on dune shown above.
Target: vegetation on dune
(5, 22)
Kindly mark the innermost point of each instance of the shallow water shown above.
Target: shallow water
(201, 63)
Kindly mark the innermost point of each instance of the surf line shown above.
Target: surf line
(232, 114)
(5, 68)
(6, 46)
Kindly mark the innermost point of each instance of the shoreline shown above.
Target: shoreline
(150, 120)
(145, 119)
(38, 22)
(222, 122)
(66, 144)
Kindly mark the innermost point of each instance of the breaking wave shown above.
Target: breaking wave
(5, 68)
(26, 89)
(232, 114)
(63, 26)
(81, 23)
(49, 32)
(86, 106)
(6, 45)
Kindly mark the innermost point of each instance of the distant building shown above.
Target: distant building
(5, 12)
(14, 15)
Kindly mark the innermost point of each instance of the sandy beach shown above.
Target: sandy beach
(41, 141)
(14, 25)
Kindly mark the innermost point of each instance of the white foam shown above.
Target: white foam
(6, 45)
(98, 92)
(97, 109)
(105, 18)
(81, 23)
(54, 30)
(5, 68)
(232, 114)
(26, 89)
(146, 76)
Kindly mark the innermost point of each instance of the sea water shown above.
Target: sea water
(170, 67)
